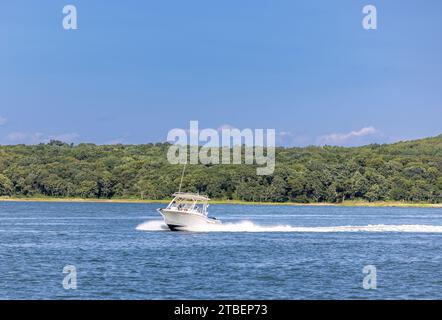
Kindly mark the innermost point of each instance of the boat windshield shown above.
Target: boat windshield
(188, 205)
(199, 208)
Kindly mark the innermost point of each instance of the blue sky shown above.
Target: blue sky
(136, 69)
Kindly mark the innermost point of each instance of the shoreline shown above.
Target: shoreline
(353, 203)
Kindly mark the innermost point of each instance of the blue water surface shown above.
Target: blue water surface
(120, 251)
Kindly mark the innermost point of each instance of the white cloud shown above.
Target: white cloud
(225, 127)
(38, 137)
(290, 139)
(65, 137)
(3, 120)
(347, 138)
(16, 136)
(116, 141)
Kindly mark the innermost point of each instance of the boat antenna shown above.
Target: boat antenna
(182, 176)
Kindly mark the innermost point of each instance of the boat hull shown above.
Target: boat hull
(186, 221)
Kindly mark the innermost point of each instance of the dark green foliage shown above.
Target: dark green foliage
(408, 171)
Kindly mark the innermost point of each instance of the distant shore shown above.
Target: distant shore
(351, 203)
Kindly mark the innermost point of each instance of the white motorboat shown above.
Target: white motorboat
(188, 212)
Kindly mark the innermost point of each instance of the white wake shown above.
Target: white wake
(249, 226)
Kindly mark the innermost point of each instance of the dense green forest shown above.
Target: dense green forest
(409, 171)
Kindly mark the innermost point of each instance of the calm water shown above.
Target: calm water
(121, 251)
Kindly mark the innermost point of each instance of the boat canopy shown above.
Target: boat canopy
(190, 196)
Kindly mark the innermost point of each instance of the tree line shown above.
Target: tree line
(404, 171)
